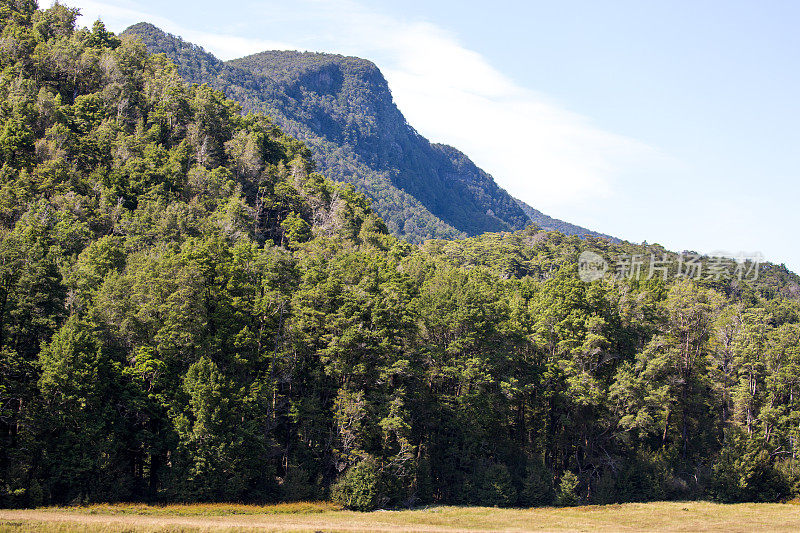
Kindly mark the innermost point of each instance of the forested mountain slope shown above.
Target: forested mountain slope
(553, 224)
(342, 107)
(189, 312)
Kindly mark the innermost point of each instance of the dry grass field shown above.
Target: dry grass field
(658, 516)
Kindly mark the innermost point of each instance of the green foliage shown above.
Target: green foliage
(492, 486)
(605, 489)
(567, 495)
(361, 488)
(188, 311)
(219, 460)
(647, 477)
(299, 486)
(296, 229)
(744, 471)
(76, 419)
(537, 488)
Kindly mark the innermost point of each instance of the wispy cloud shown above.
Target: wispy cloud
(538, 150)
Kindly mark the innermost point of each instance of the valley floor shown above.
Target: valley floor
(657, 516)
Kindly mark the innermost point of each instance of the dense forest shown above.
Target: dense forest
(343, 109)
(190, 312)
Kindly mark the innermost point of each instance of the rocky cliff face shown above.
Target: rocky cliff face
(343, 109)
(346, 101)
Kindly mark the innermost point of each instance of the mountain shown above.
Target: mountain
(553, 224)
(343, 109)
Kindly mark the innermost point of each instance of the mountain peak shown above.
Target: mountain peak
(342, 107)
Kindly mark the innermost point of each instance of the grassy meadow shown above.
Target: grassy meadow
(320, 516)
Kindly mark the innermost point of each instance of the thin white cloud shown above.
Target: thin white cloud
(540, 152)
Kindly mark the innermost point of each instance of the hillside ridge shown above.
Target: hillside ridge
(342, 107)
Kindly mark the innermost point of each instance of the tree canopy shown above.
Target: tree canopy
(190, 312)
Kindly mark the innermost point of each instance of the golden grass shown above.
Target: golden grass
(657, 516)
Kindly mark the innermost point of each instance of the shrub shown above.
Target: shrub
(744, 472)
(499, 489)
(359, 488)
(645, 478)
(490, 485)
(605, 490)
(298, 486)
(567, 490)
(537, 488)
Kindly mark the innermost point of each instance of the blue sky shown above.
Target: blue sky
(672, 122)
